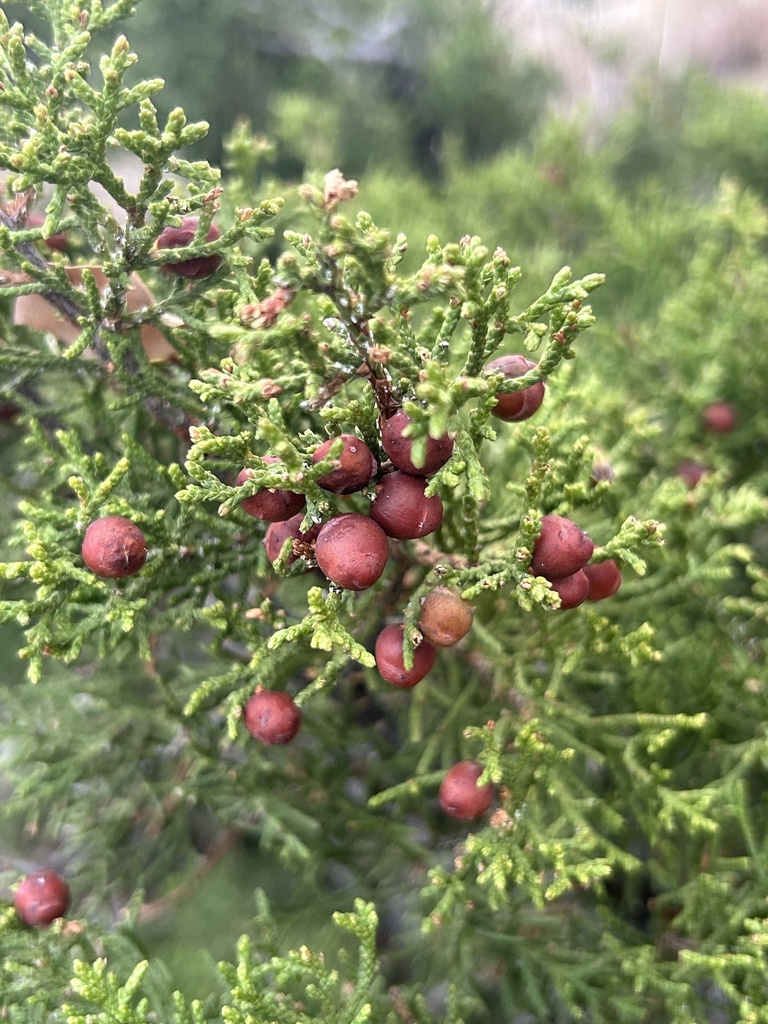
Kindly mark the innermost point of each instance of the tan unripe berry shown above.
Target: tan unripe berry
(445, 617)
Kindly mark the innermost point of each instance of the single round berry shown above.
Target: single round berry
(279, 533)
(114, 547)
(399, 448)
(59, 240)
(176, 238)
(719, 417)
(356, 465)
(460, 795)
(602, 472)
(272, 716)
(8, 411)
(561, 549)
(445, 617)
(572, 589)
(402, 509)
(690, 472)
(604, 579)
(42, 897)
(271, 504)
(518, 405)
(352, 551)
(389, 658)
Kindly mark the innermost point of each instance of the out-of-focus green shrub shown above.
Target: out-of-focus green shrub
(380, 85)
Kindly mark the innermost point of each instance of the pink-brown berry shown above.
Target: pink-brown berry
(561, 549)
(59, 240)
(272, 504)
(445, 617)
(399, 448)
(42, 897)
(402, 509)
(719, 417)
(272, 716)
(460, 796)
(690, 472)
(352, 551)
(517, 405)
(279, 533)
(176, 238)
(604, 579)
(114, 547)
(572, 589)
(388, 652)
(356, 465)
(8, 411)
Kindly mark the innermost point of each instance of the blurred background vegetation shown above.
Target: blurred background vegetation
(590, 131)
(415, 85)
(357, 84)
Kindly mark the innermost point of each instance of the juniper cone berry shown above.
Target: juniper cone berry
(8, 411)
(602, 472)
(561, 548)
(460, 796)
(114, 547)
(272, 716)
(59, 240)
(278, 534)
(719, 417)
(42, 897)
(518, 405)
(356, 465)
(270, 504)
(176, 238)
(399, 448)
(604, 579)
(402, 509)
(352, 551)
(572, 589)
(445, 617)
(388, 652)
(690, 472)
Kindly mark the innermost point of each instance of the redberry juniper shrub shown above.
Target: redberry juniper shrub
(612, 864)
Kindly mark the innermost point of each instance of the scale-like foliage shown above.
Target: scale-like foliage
(620, 874)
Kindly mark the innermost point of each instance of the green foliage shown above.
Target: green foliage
(346, 82)
(258, 986)
(622, 873)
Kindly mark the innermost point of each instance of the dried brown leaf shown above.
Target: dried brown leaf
(37, 312)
